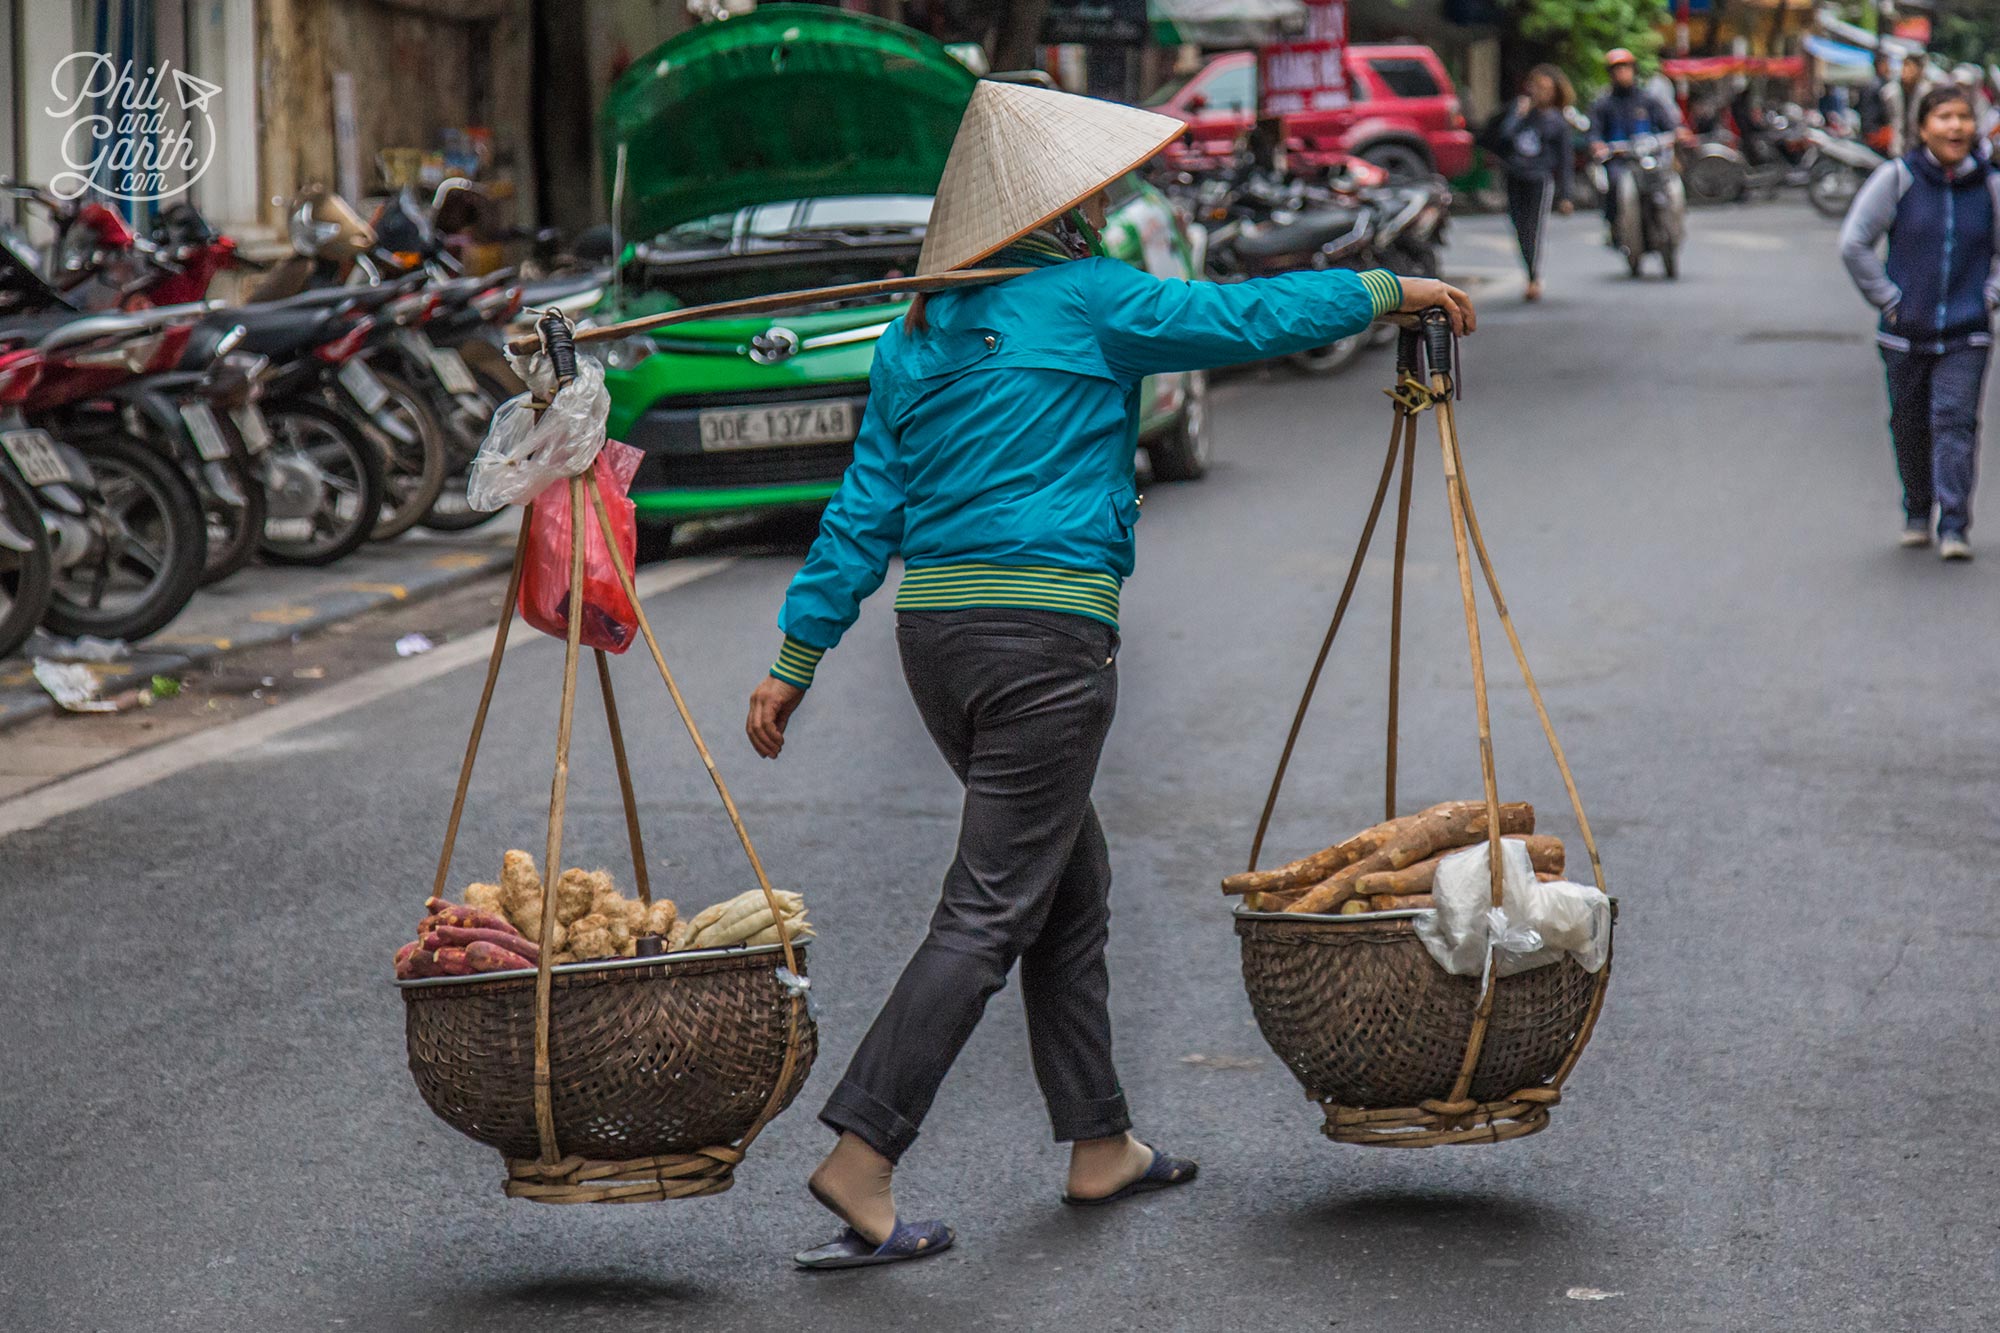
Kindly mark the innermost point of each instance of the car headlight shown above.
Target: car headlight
(625, 353)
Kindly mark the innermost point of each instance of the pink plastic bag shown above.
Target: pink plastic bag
(609, 620)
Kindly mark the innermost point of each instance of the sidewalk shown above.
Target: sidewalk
(268, 604)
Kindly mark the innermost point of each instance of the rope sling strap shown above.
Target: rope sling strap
(554, 1176)
(1455, 1117)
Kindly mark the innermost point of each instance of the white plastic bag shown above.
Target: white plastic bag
(521, 456)
(1536, 923)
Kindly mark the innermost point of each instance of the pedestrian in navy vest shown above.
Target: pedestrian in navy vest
(1940, 208)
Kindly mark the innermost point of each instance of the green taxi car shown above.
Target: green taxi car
(797, 147)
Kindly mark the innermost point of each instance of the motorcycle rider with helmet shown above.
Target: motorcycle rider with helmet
(1623, 111)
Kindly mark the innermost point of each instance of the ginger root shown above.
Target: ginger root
(521, 893)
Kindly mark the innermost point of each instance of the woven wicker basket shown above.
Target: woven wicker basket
(622, 1080)
(661, 1059)
(1399, 1052)
(1376, 1031)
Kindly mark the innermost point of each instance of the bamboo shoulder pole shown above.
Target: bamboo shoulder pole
(1332, 629)
(479, 715)
(545, 1116)
(640, 878)
(778, 301)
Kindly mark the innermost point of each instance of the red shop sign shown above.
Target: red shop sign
(1311, 74)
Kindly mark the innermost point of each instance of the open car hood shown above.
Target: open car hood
(787, 102)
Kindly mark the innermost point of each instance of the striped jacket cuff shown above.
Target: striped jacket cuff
(797, 662)
(1385, 290)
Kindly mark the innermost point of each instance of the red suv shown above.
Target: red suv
(1404, 115)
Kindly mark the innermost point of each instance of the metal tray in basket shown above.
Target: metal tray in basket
(606, 964)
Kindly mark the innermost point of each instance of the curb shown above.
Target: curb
(22, 699)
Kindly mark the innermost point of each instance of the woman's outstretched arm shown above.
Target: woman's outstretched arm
(1148, 325)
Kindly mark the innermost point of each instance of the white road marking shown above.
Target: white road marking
(1742, 240)
(146, 767)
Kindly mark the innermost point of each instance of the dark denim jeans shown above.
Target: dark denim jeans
(1018, 702)
(1934, 423)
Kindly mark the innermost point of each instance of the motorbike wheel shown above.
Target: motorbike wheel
(1715, 180)
(1404, 164)
(452, 512)
(27, 563)
(412, 443)
(321, 462)
(148, 542)
(1330, 359)
(1184, 452)
(1831, 187)
(234, 525)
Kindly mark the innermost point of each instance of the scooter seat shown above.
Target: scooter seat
(554, 291)
(276, 330)
(53, 329)
(1300, 236)
(352, 298)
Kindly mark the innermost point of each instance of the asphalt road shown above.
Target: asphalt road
(1785, 728)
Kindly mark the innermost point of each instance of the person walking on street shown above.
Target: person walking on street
(1915, 83)
(1880, 115)
(995, 456)
(1939, 207)
(1540, 160)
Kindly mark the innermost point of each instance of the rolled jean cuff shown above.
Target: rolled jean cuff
(1100, 1119)
(852, 1110)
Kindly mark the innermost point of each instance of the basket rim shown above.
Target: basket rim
(1394, 914)
(602, 965)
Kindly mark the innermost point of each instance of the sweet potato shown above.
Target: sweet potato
(453, 963)
(403, 956)
(444, 937)
(471, 918)
(486, 956)
(422, 963)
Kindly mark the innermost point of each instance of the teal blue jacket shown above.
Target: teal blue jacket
(1003, 434)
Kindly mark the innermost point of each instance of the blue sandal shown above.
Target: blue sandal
(850, 1249)
(1163, 1172)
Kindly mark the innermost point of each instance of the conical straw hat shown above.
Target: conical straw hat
(1024, 155)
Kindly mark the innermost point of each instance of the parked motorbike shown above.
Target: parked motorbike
(27, 559)
(124, 519)
(1839, 171)
(324, 474)
(1651, 202)
(1778, 153)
